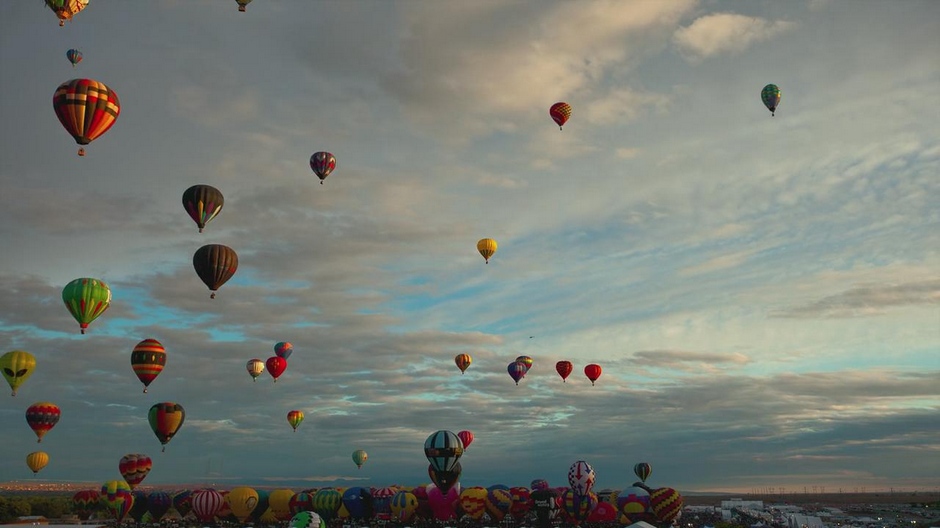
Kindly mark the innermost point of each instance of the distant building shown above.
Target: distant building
(30, 519)
(804, 521)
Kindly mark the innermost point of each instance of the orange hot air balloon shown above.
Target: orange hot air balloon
(86, 108)
(148, 359)
(463, 361)
(560, 113)
(41, 417)
(592, 372)
(66, 9)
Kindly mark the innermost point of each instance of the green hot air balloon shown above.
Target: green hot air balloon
(86, 299)
(770, 95)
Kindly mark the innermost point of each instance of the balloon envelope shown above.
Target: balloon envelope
(560, 112)
(243, 501)
(203, 203)
(592, 372)
(74, 56)
(86, 108)
(770, 95)
(294, 418)
(283, 349)
(86, 299)
(487, 247)
(134, 468)
(276, 366)
(165, 419)
(466, 437)
(463, 361)
(41, 417)
(443, 449)
(148, 359)
(37, 460)
(17, 366)
(215, 264)
(322, 164)
(255, 368)
(642, 471)
(66, 9)
(359, 457)
(517, 370)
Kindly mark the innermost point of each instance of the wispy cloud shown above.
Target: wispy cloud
(720, 33)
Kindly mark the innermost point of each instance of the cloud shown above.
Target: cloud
(866, 301)
(719, 33)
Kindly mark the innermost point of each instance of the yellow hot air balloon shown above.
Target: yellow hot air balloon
(17, 366)
(279, 502)
(486, 247)
(243, 501)
(37, 460)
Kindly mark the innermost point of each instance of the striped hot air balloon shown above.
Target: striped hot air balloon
(41, 417)
(86, 299)
(134, 468)
(443, 449)
(203, 203)
(86, 108)
(165, 419)
(148, 359)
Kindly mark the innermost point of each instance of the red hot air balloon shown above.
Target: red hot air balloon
(134, 468)
(86, 108)
(666, 504)
(41, 417)
(564, 368)
(148, 360)
(463, 361)
(466, 437)
(276, 366)
(322, 164)
(560, 113)
(592, 372)
(215, 264)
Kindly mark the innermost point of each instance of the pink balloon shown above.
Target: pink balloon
(443, 505)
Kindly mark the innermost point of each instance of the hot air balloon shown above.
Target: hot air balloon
(158, 503)
(592, 371)
(207, 503)
(17, 366)
(255, 368)
(118, 498)
(581, 477)
(770, 95)
(359, 457)
(66, 9)
(276, 366)
(37, 460)
(165, 419)
(528, 362)
(85, 502)
(560, 113)
(322, 164)
(516, 370)
(404, 504)
(486, 247)
(294, 418)
(445, 480)
(642, 471)
(148, 359)
(134, 468)
(466, 437)
(215, 264)
(41, 417)
(443, 449)
(86, 299)
(463, 361)
(242, 4)
(666, 504)
(283, 349)
(305, 519)
(577, 506)
(473, 501)
(358, 502)
(74, 56)
(326, 502)
(243, 501)
(564, 368)
(86, 108)
(203, 203)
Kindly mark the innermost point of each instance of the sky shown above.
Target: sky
(762, 292)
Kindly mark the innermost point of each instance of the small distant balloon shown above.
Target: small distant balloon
(242, 5)
(463, 362)
(74, 56)
(322, 164)
(86, 108)
(466, 437)
(41, 417)
(564, 368)
(486, 247)
(642, 471)
(255, 368)
(517, 370)
(560, 113)
(359, 457)
(215, 264)
(283, 349)
(86, 299)
(294, 418)
(37, 460)
(66, 9)
(770, 95)
(275, 366)
(148, 359)
(592, 371)
(527, 360)
(203, 203)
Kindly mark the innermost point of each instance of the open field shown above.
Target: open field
(827, 499)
